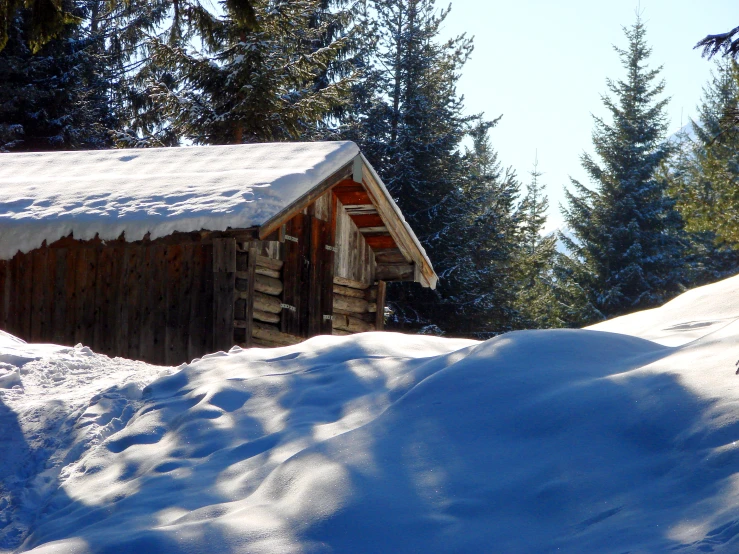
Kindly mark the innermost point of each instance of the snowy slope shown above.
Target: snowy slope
(542, 441)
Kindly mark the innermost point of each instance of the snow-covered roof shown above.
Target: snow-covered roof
(47, 196)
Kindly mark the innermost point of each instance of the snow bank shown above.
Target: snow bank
(575, 441)
(46, 196)
(688, 317)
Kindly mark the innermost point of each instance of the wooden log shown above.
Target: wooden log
(265, 343)
(380, 313)
(346, 291)
(381, 241)
(372, 307)
(352, 324)
(258, 315)
(344, 282)
(341, 333)
(265, 302)
(251, 268)
(273, 273)
(358, 305)
(271, 333)
(266, 317)
(368, 317)
(370, 295)
(267, 285)
(269, 263)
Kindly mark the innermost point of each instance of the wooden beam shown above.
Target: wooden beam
(267, 332)
(353, 324)
(367, 220)
(354, 197)
(251, 267)
(224, 292)
(380, 314)
(276, 221)
(389, 256)
(347, 291)
(350, 283)
(380, 241)
(405, 239)
(395, 272)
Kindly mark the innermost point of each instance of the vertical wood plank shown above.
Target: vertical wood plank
(80, 291)
(173, 296)
(11, 286)
(327, 270)
(25, 299)
(47, 327)
(3, 295)
(206, 332)
(251, 267)
(122, 304)
(148, 302)
(224, 292)
(106, 297)
(381, 298)
(196, 346)
(131, 297)
(290, 319)
(159, 306)
(313, 296)
(58, 297)
(65, 314)
(38, 282)
(179, 280)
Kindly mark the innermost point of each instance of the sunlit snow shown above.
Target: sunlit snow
(618, 438)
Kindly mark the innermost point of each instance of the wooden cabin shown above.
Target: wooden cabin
(167, 254)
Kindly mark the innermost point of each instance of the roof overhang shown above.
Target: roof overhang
(394, 233)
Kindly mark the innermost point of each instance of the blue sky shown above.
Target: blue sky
(544, 64)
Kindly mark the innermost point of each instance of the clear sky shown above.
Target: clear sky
(543, 64)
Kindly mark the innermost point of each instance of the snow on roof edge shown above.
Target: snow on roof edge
(159, 191)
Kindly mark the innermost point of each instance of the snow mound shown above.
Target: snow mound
(576, 441)
(690, 316)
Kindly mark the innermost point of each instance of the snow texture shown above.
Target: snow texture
(47, 196)
(574, 441)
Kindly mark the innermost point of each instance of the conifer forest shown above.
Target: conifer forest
(656, 216)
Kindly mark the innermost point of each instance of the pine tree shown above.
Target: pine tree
(704, 178)
(626, 253)
(411, 133)
(56, 98)
(708, 180)
(537, 303)
(245, 83)
(478, 281)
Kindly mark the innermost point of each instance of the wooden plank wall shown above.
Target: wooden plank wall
(151, 301)
(354, 259)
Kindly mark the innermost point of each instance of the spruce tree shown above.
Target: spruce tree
(707, 179)
(414, 127)
(704, 178)
(56, 98)
(478, 281)
(216, 79)
(536, 303)
(626, 253)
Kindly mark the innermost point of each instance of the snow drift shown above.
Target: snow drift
(539, 441)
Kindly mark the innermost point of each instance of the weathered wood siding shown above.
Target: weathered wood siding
(177, 298)
(150, 301)
(354, 259)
